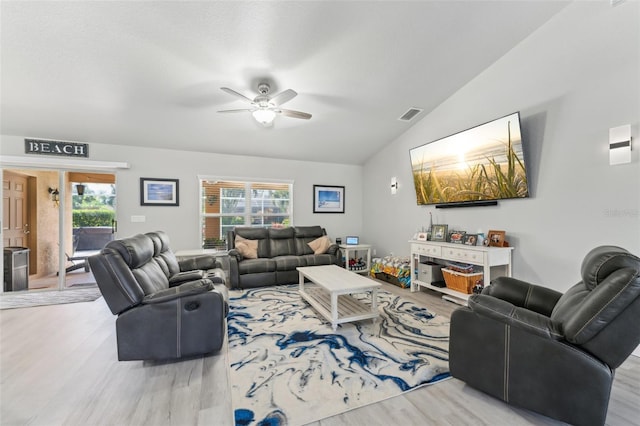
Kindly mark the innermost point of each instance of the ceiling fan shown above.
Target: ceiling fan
(265, 108)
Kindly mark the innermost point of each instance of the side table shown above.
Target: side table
(360, 268)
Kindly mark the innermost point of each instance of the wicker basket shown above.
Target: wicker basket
(458, 281)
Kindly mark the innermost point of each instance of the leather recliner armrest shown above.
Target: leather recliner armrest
(523, 294)
(186, 289)
(522, 318)
(234, 271)
(333, 249)
(236, 255)
(201, 261)
(186, 276)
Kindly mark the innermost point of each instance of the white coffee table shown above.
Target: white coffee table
(331, 294)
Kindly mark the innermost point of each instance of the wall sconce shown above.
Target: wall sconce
(55, 196)
(80, 189)
(394, 185)
(620, 145)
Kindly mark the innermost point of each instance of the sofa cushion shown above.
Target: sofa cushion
(281, 242)
(135, 251)
(320, 245)
(162, 253)
(253, 266)
(289, 263)
(247, 248)
(259, 234)
(304, 235)
(318, 259)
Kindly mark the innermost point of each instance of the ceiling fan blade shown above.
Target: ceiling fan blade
(238, 110)
(236, 94)
(294, 114)
(283, 97)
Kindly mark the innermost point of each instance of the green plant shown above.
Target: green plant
(218, 243)
(92, 217)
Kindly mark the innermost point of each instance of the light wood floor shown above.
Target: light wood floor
(58, 366)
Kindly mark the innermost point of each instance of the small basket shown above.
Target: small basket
(458, 281)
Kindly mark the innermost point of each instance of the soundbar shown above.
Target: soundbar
(467, 204)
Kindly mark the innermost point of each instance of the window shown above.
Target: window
(226, 204)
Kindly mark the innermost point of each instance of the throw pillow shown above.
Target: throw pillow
(247, 248)
(320, 245)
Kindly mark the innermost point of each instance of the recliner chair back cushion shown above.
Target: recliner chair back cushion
(281, 242)
(600, 262)
(137, 252)
(163, 254)
(116, 281)
(304, 235)
(260, 234)
(611, 284)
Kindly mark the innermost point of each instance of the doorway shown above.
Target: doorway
(61, 218)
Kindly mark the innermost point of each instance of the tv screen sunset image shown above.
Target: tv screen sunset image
(479, 164)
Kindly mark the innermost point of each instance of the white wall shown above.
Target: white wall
(572, 80)
(181, 223)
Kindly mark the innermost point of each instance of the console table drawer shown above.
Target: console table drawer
(471, 256)
(426, 250)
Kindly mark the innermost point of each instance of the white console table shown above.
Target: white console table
(495, 262)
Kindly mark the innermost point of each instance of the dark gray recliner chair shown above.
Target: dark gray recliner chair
(548, 352)
(162, 314)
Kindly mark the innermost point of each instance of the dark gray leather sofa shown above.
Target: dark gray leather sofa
(548, 352)
(166, 309)
(280, 252)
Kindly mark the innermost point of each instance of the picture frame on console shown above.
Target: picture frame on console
(456, 237)
(439, 233)
(159, 192)
(470, 239)
(328, 199)
(496, 238)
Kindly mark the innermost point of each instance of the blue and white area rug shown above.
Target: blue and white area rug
(288, 367)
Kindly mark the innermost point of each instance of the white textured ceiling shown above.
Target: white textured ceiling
(149, 73)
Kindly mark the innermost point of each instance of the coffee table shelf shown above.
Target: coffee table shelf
(330, 293)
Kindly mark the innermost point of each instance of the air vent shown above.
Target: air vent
(411, 112)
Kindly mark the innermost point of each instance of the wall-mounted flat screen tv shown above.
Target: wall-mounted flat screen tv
(484, 163)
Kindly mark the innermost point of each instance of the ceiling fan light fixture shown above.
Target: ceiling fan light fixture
(264, 116)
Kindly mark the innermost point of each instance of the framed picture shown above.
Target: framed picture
(159, 192)
(470, 239)
(456, 237)
(422, 236)
(439, 232)
(328, 199)
(496, 238)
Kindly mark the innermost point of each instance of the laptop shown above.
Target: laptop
(352, 241)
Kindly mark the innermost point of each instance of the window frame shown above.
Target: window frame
(248, 213)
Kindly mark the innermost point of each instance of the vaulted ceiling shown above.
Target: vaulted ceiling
(149, 73)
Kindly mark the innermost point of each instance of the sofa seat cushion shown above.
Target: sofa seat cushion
(254, 266)
(318, 259)
(289, 263)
